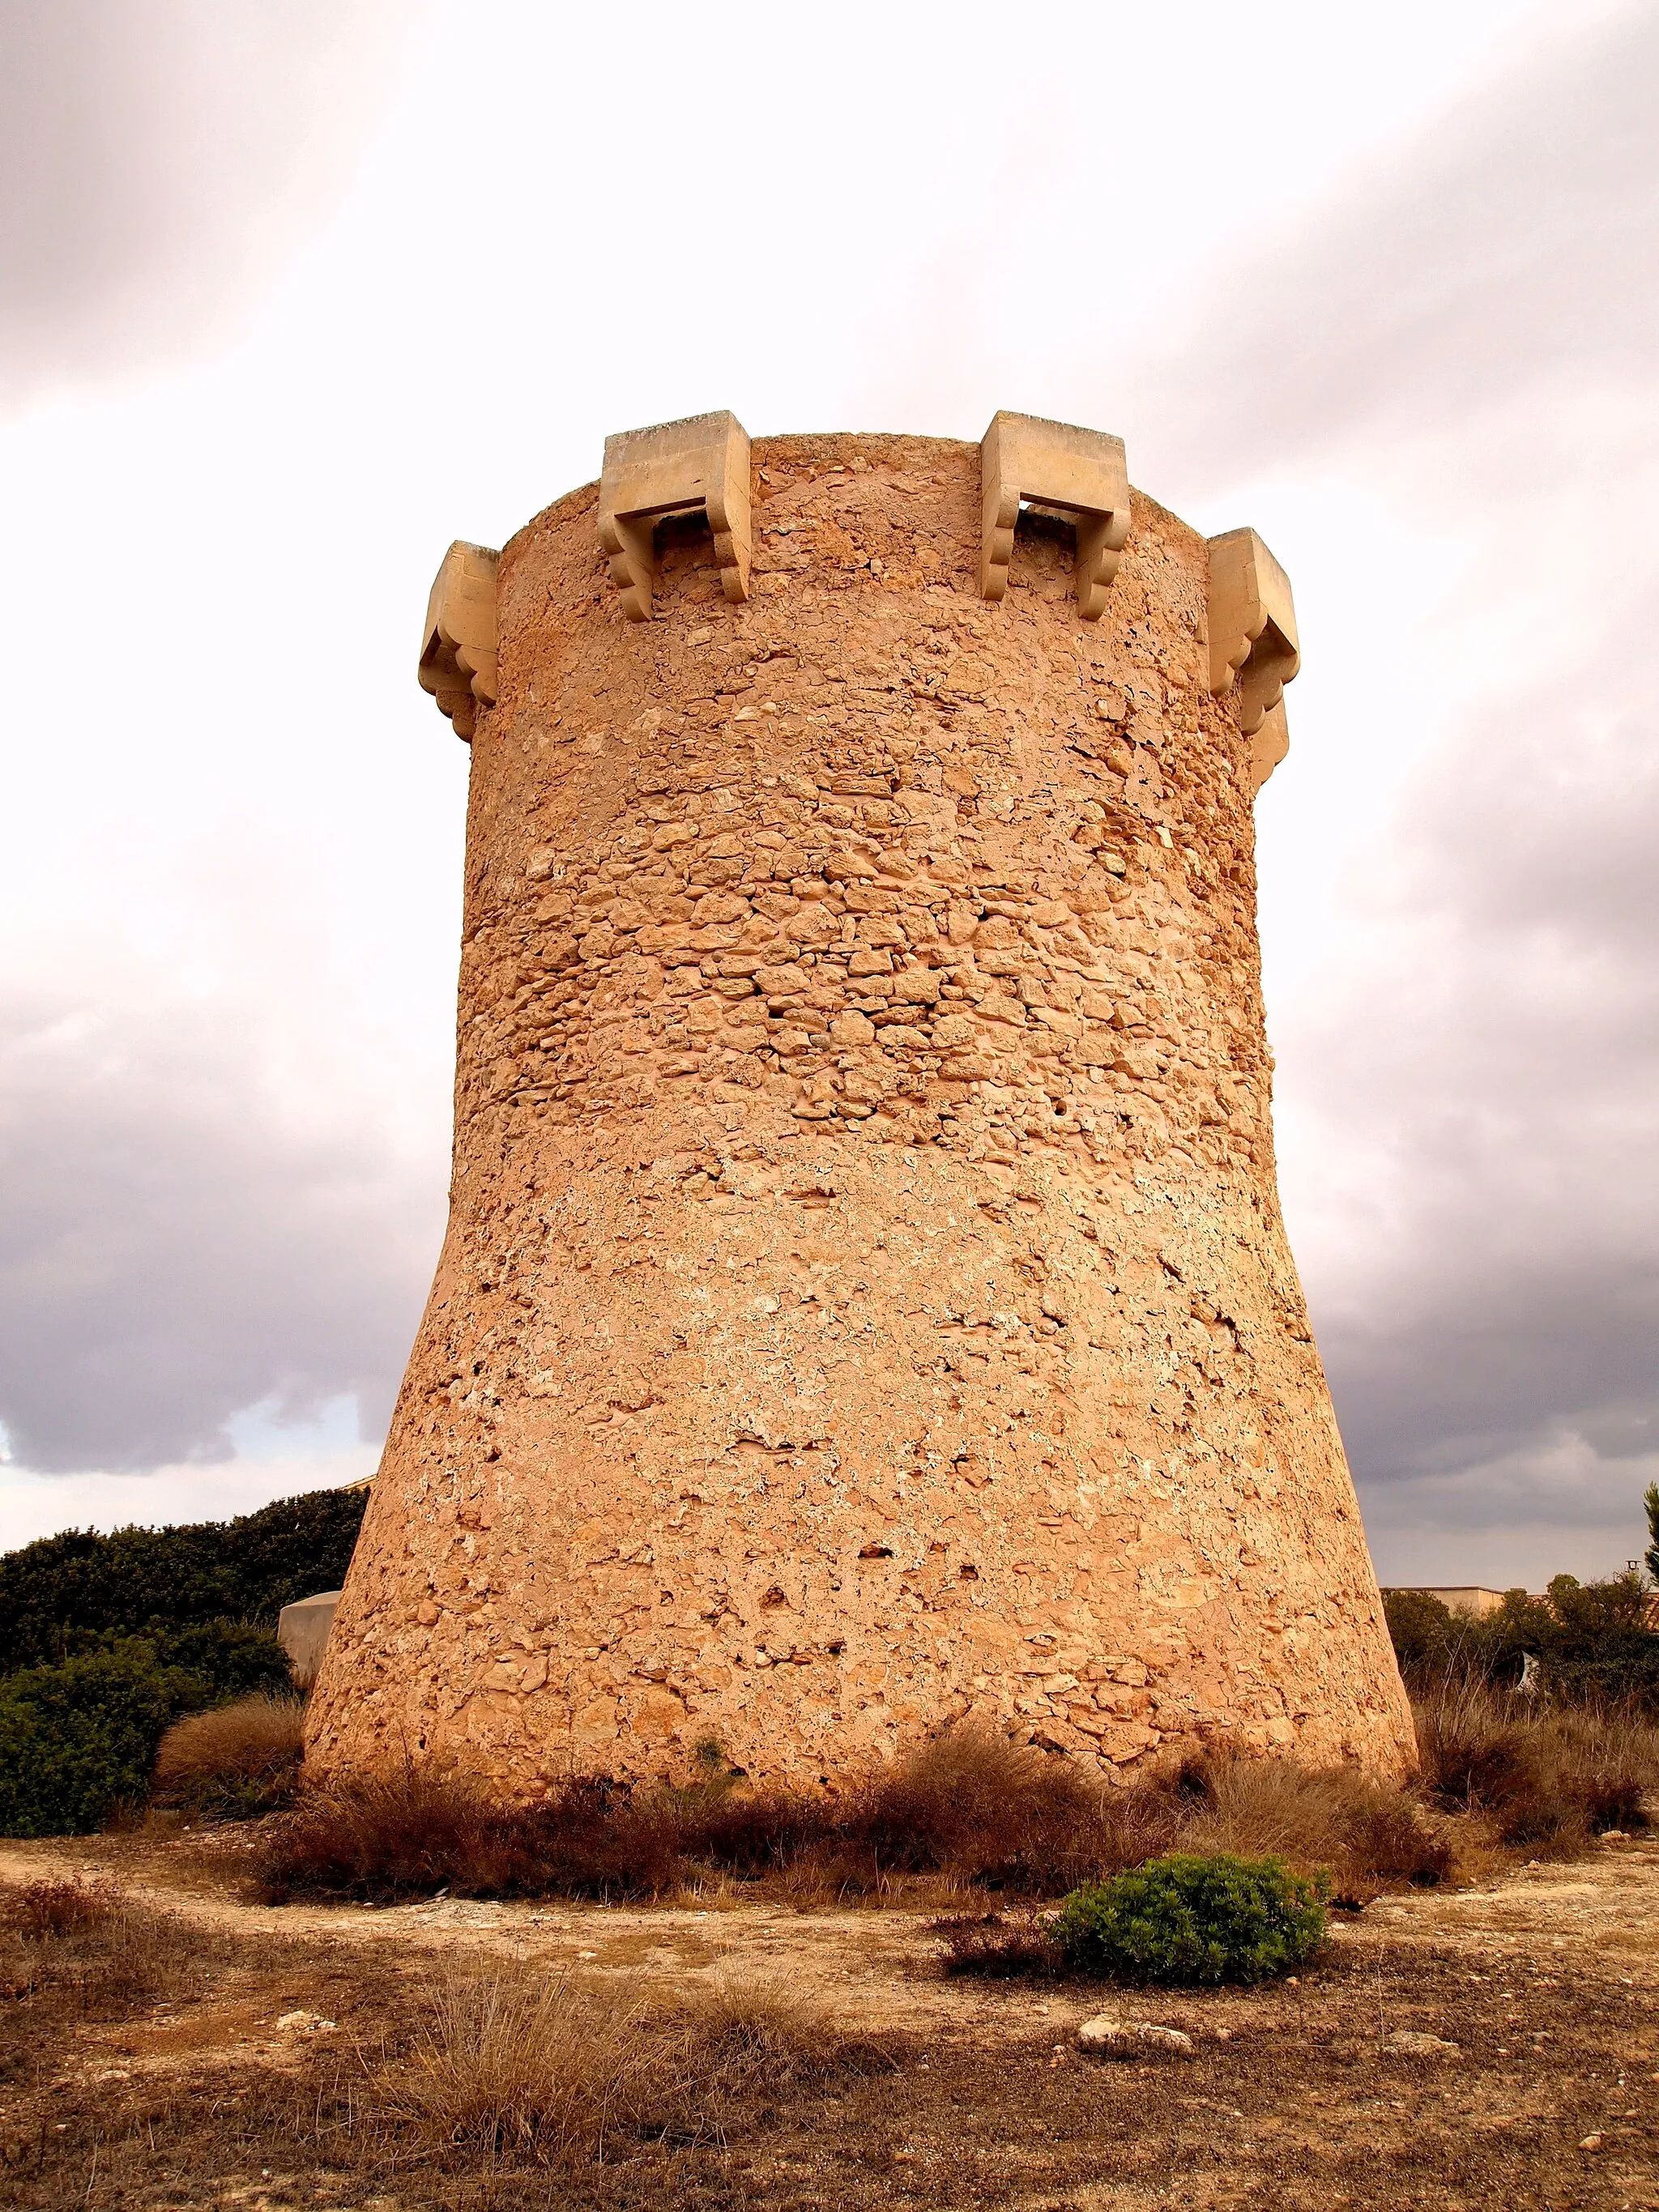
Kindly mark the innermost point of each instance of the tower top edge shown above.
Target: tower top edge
(829, 450)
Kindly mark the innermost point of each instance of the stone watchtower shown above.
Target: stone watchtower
(865, 1302)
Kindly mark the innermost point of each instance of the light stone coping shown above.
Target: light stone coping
(675, 468)
(1252, 642)
(1055, 468)
(458, 645)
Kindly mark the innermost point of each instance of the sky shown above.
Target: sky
(293, 292)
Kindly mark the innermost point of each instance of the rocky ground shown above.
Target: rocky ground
(1498, 2046)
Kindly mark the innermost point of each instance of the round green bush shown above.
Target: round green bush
(1184, 1919)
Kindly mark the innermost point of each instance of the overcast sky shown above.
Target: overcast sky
(293, 294)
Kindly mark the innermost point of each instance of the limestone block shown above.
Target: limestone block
(458, 646)
(1055, 468)
(1253, 642)
(302, 1630)
(675, 468)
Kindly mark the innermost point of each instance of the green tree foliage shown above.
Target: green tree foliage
(1651, 1501)
(77, 1739)
(1590, 1640)
(105, 1640)
(1189, 1920)
(61, 1593)
(1422, 1626)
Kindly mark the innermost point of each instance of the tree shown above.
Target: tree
(1650, 1499)
(60, 1595)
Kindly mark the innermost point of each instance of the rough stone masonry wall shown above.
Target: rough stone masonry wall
(865, 1300)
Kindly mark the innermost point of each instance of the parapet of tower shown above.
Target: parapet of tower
(865, 1302)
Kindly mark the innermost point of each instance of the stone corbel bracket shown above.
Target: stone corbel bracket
(675, 468)
(1057, 469)
(1252, 642)
(458, 646)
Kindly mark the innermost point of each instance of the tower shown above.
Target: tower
(865, 1300)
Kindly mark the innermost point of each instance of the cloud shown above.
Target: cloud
(1485, 1098)
(34, 1504)
(1470, 1099)
(180, 1244)
(1511, 250)
(159, 158)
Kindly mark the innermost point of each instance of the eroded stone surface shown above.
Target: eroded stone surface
(865, 1299)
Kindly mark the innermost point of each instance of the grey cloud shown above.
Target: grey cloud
(158, 156)
(174, 1248)
(1514, 245)
(1498, 1066)
(1470, 1167)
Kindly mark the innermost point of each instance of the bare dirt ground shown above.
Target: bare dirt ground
(1546, 1985)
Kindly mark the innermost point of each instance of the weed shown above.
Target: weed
(970, 1814)
(1366, 1832)
(997, 1948)
(503, 2063)
(987, 1810)
(42, 1911)
(90, 1950)
(507, 2063)
(969, 1805)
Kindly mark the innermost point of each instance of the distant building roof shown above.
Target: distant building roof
(1460, 1597)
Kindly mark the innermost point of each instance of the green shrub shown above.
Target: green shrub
(77, 1739)
(1190, 1920)
(59, 1593)
(1591, 1641)
(231, 1658)
(1422, 1627)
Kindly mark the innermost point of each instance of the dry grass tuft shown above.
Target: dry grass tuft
(738, 2038)
(969, 1805)
(45, 1912)
(233, 1761)
(1365, 1833)
(985, 1810)
(94, 1952)
(995, 1948)
(507, 2063)
(388, 1836)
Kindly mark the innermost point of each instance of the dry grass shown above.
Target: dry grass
(774, 2108)
(504, 2063)
(1547, 1780)
(233, 1761)
(88, 1949)
(969, 1805)
(1365, 1834)
(507, 2063)
(998, 1947)
(971, 1814)
(47, 1911)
